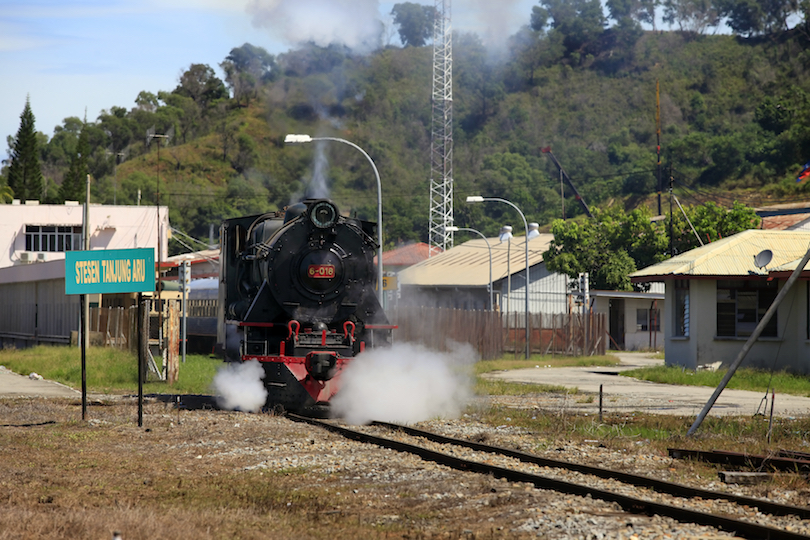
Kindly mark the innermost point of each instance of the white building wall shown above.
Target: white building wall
(111, 227)
(634, 338)
(789, 350)
(548, 292)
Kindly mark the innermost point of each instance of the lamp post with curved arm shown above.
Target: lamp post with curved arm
(298, 139)
(477, 199)
(489, 285)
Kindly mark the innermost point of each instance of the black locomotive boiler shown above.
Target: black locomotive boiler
(297, 293)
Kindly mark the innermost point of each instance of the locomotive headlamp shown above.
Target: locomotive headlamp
(323, 214)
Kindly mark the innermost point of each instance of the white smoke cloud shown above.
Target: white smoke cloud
(353, 23)
(494, 22)
(405, 383)
(238, 385)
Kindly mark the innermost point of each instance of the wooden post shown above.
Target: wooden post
(600, 403)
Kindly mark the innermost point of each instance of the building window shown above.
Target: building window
(681, 308)
(646, 318)
(53, 238)
(742, 304)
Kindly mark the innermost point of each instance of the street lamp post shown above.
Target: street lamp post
(489, 286)
(477, 199)
(292, 138)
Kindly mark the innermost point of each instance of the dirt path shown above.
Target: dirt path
(626, 393)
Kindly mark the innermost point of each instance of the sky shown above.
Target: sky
(79, 57)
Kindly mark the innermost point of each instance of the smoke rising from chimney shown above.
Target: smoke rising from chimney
(318, 188)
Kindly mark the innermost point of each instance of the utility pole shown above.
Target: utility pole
(150, 134)
(658, 140)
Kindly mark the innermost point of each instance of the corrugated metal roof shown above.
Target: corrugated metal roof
(468, 264)
(732, 256)
(637, 295)
(784, 223)
(406, 255)
(204, 255)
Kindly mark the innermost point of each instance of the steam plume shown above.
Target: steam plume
(353, 23)
(317, 188)
(405, 383)
(238, 385)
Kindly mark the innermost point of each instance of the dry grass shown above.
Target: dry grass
(192, 474)
(63, 478)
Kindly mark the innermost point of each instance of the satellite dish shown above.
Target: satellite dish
(763, 258)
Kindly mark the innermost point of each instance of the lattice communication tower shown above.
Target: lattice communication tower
(441, 143)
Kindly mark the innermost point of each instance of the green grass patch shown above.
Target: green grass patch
(496, 387)
(744, 379)
(622, 430)
(108, 370)
(508, 362)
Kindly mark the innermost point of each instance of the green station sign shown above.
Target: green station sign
(108, 271)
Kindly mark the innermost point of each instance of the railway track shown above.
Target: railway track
(674, 499)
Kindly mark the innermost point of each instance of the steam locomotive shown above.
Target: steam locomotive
(297, 293)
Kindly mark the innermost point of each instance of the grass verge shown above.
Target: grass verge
(495, 387)
(109, 371)
(744, 379)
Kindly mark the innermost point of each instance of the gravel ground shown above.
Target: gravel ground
(400, 492)
(399, 485)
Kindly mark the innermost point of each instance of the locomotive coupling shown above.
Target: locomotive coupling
(321, 364)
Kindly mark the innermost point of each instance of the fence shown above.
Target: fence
(437, 328)
(493, 333)
(114, 327)
(118, 327)
(572, 334)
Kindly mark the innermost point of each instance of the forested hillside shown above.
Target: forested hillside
(734, 116)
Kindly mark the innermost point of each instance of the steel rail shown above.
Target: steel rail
(779, 462)
(629, 504)
(661, 486)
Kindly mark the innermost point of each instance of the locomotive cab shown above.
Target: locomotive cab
(297, 293)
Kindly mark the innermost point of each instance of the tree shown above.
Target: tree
(754, 17)
(691, 15)
(146, 101)
(711, 223)
(24, 172)
(642, 11)
(480, 78)
(614, 243)
(415, 23)
(609, 247)
(246, 68)
(200, 83)
(73, 186)
(6, 195)
(581, 22)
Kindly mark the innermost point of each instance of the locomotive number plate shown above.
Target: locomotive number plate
(321, 271)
